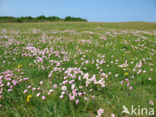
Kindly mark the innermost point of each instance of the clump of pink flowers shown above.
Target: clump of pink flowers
(127, 83)
(9, 79)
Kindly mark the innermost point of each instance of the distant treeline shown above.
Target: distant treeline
(4, 19)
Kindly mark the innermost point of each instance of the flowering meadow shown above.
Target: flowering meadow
(76, 69)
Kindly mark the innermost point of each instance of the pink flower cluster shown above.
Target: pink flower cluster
(127, 83)
(9, 79)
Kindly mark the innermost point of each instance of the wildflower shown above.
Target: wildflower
(128, 84)
(126, 80)
(109, 73)
(9, 90)
(126, 74)
(50, 91)
(93, 97)
(25, 91)
(19, 66)
(73, 86)
(8, 84)
(38, 94)
(130, 87)
(28, 98)
(43, 97)
(20, 80)
(55, 85)
(61, 96)
(64, 87)
(100, 111)
(72, 97)
(151, 102)
(80, 94)
(77, 101)
(34, 89)
(26, 79)
(85, 98)
(149, 78)
(121, 82)
(29, 87)
(116, 75)
(112, 115)
(62, 93)
(41, 82)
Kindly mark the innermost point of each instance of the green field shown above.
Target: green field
(73, 69)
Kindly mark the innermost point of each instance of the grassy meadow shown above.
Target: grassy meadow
(77, 69)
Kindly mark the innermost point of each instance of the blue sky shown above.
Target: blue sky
(92, 10)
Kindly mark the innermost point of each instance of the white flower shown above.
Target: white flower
(41, 82)
(38, 94)
(149, 78)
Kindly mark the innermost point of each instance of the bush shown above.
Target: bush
(4, 19)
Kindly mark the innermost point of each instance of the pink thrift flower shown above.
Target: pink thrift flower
(55, 85)
(151, 102)
(128, 84)
(1, 77)
(25, 91)
(62, 93)
(61, 96)
(112, 115)
(85, 98)
(26, 78)
(100, 111)
(130, 87)
(8, 84)
(121, 82)
(73, 86)
(72, 97)
(29, 87)
(126, 80)
(64, 87)
(93, 97)
(43, 97)
(77, 101)
(11, 86)
(9, 90)
(50, 90)
(80, 87)
(2, 85)
(80, 94)
(34, 89)
(20, 80)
